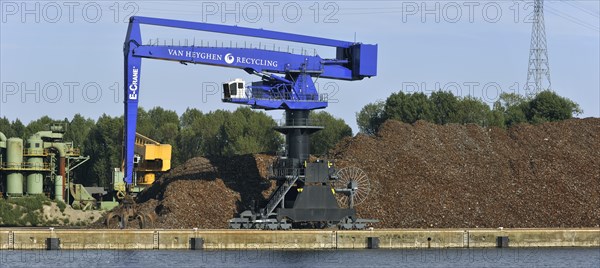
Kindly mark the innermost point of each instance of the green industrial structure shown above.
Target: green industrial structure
(41, 165)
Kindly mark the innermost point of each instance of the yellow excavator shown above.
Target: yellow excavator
(153, 158)
(150, 159)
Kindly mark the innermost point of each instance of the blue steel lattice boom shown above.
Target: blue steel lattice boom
(286, 78)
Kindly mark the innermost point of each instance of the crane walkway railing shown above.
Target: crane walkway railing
(279, 94)
(286, 122)
(279, 194)
(45, 152)
(35, 152)
(25, 166)
(73, 152)
(305, 51)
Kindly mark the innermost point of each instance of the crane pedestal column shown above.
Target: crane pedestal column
(297, 130)
(304, 195)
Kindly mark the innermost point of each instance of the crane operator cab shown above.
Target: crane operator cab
(235, 89)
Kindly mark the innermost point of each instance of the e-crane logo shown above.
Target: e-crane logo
(229, 58)
(134, 84)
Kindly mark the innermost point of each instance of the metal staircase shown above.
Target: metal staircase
(278, 195)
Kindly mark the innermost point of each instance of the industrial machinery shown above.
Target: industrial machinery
(128, 211)
(43, 165)
(305, 195)
(151, 158)
(40, 165)
(86, 198)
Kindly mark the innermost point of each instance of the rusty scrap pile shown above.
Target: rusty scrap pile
(428, 175)
(207, 193)
(422, 176)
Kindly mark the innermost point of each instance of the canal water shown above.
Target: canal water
(492, 257)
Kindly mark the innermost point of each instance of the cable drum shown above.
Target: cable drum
(352, 186)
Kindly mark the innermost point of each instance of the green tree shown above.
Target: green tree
(38, 125)
(5, 128)
(472, 111)
(548, 106)
(370, 117)
(144, 124)
(512, 99)
(164, 128)
(227, 133)
(189, 117)
(513, 107)
(158, 124)
(408, 108)
(212, 131)
(104, 146)
(496, 116)
(247, 131)
(78, 130)
(444, 106)
(189, 140)
(19, 129)
(334, 130)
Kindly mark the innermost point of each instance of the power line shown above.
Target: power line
(571, 18)
(570, 3)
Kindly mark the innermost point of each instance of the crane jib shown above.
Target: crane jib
(228, 58)
(256, 59)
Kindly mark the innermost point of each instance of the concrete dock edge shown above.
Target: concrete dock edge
(78, 239)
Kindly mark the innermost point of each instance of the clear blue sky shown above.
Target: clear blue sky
(70, 46)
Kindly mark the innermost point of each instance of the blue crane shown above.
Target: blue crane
(286, 79)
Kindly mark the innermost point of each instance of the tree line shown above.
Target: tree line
(194, 133)
(245, 131)
(443, 107)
